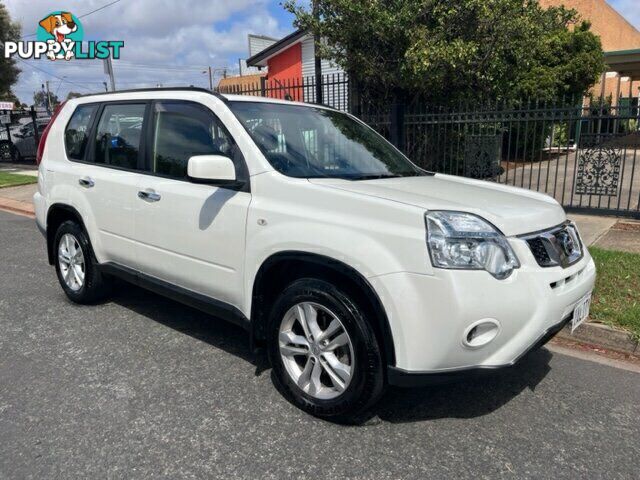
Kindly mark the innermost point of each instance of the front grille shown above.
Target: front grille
(539, 252)
(558, 246)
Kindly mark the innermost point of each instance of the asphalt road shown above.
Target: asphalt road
(142, 387)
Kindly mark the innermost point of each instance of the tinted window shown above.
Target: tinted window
(307, 142)
(77, 133)
(183, 130)
(119, 134)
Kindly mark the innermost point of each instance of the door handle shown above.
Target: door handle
(86, 182)
(149, 196)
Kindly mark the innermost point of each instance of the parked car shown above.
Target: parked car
(352, 266)
(22, 144)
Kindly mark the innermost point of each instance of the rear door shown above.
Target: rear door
(191, 235)
(109, 158)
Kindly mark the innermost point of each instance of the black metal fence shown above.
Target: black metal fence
(334, 90)
(584, 155)
(583, 152)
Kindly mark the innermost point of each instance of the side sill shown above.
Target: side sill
(201, 302)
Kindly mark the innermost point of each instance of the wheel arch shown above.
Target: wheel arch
(282, 268)
(57, 214)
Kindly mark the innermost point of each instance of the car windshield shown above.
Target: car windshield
(311, 142)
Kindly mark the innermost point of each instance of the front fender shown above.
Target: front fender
(372, 236)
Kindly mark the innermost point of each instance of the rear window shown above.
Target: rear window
(76, 134)
(119, 134)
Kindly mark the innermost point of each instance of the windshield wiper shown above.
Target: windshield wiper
(371, 177)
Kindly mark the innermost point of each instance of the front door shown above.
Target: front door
(191, 235)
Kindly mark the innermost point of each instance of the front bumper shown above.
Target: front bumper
(403, 378)
(429, 315)
(40, 208)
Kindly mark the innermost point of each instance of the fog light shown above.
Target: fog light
(480, 333)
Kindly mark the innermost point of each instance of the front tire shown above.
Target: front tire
(325, 356)
(76, 267)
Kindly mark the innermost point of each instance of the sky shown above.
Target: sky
(629, 10)
(167, 42)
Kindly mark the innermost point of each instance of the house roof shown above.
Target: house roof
(625, 62)
(260, 58)
(263, 37)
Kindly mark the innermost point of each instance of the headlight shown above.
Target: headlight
(464, 241)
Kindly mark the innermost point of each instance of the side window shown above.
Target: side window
(182, 130)
(76, 134)
(119, 134)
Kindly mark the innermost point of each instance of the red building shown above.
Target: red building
(289, 64)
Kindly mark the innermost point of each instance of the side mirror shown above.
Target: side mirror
(212, 169)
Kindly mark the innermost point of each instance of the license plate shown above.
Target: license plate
(581, 312)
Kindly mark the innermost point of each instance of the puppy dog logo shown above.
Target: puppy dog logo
(59, 37)
(61, 28)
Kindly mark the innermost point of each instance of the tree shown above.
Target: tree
(73, 95)
(40, 99)
(449, 51)
(9, 32)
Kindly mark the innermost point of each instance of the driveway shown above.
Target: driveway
(556, 175)
(143, 387)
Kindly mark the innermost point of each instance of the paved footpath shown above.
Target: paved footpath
(142, 387)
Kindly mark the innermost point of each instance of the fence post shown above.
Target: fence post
(396, 127)
(9, 137)
(36, 134)
(355, 102)
(263, 86)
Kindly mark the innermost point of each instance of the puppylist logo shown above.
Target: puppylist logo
(60, 37)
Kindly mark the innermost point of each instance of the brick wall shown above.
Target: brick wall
(615, 31)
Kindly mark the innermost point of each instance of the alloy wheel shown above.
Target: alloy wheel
(316, 350)
(71, 261)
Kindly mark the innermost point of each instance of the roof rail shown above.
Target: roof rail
(162, 89)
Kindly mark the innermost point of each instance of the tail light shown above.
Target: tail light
(45, 133)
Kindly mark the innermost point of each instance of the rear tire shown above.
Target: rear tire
(332, 368)
(76, 267)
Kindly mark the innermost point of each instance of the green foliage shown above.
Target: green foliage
(617, 293)
(9, 32)
(451, 51)
(14, 179)
(40, 99)
(559, 134)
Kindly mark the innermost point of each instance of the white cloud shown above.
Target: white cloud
(179, 38)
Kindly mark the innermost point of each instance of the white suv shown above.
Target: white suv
(352, 266)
